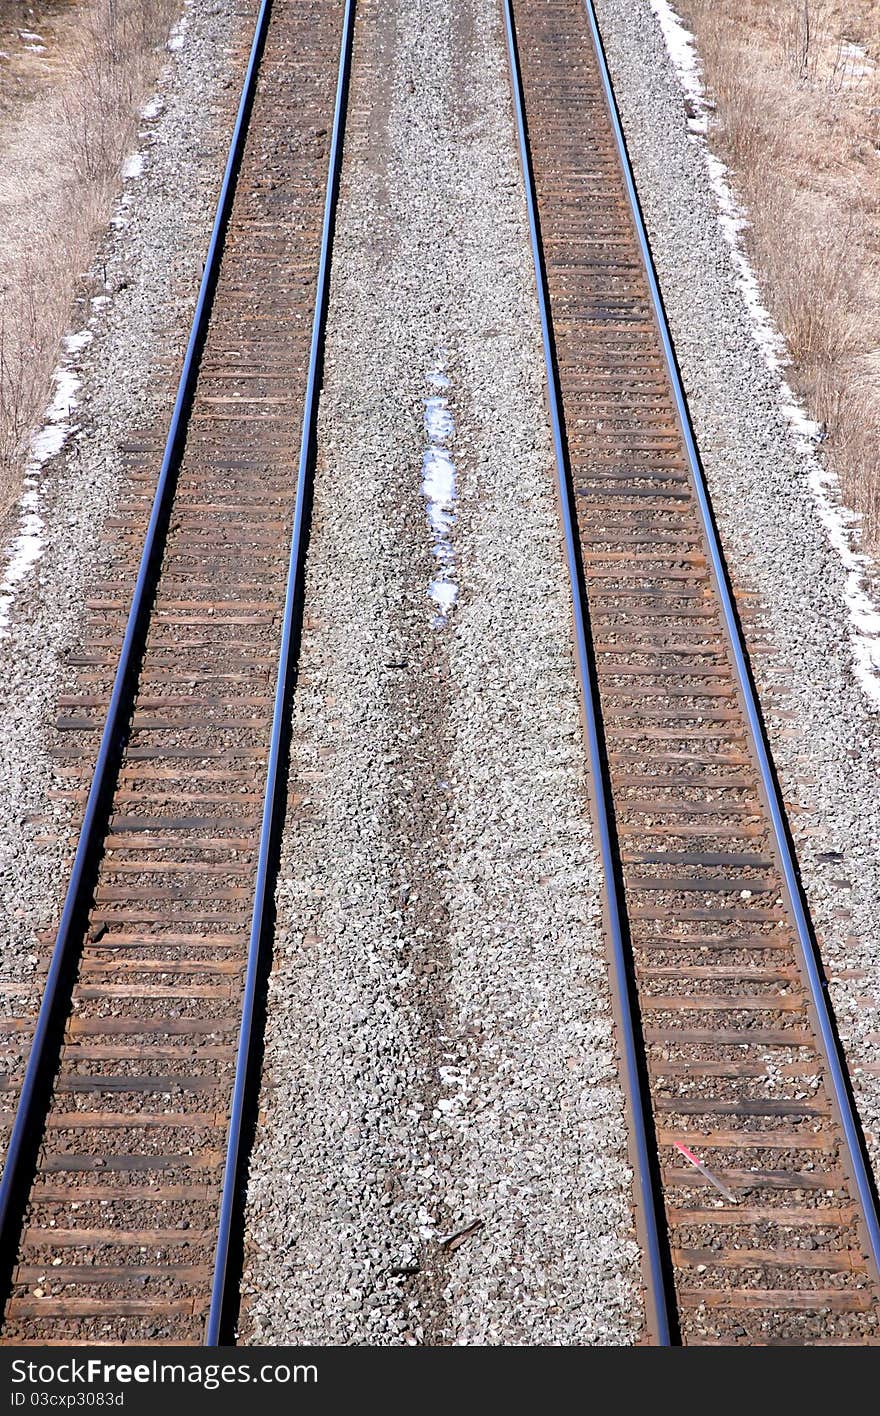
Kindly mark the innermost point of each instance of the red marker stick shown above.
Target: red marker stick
(713, 1179)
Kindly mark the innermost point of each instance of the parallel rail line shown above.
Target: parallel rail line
(725, 1032)
(122, 1168)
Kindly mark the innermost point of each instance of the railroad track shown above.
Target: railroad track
(725, 1033)
(118, 1197)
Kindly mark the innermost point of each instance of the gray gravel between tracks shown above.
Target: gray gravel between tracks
(145, 281)
(824, 733)
(439, 1049)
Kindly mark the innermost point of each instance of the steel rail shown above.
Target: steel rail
(216, 1313)
(659, 1319)
(26, 1117)
(836, 1065)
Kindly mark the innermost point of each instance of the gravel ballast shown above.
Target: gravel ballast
(791, 583)
(441, 1155)
(133, 314)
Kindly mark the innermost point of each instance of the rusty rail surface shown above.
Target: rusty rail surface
(739, 1060)
(123, 1223)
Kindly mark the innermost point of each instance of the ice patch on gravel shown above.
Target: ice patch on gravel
(28, 543)
(25, 550)
(133, 166)
(439, 477)
(76, 343)
(839, 522)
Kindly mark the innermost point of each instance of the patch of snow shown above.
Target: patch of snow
(680, 47)
(76, 343)
(28, 543)
(57, 426)
(23, 553)
(29, 34)
(863, 613)
(153, 108)
(855, 64)
(177, 36)
(133, 166)
(439, 478)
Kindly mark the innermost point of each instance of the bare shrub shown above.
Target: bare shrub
(109, 62)
(753, 138)
(845, 399)
(815, 291)
(14, 390)
(805, 30)
(29, 319)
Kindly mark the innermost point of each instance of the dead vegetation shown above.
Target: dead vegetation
(61, 149)
(797, 92)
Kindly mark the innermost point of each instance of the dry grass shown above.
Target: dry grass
(61, 147)
(798, 121)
